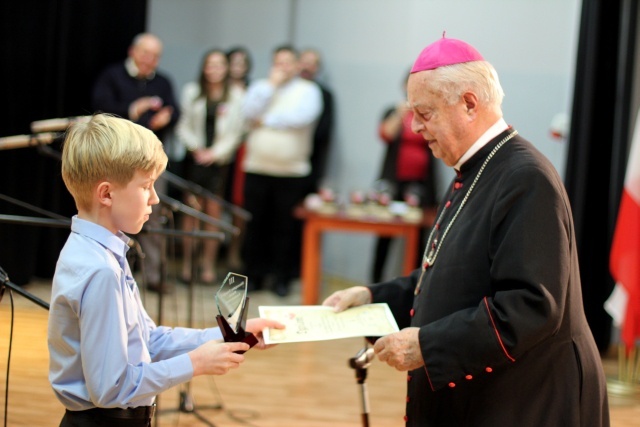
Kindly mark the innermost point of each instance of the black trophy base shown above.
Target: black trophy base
(230, 335)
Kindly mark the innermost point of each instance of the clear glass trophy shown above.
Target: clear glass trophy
(232, 302)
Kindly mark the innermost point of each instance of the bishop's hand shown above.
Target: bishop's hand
(401, 350)
(350, 297)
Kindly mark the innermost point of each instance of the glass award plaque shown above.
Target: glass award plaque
(232, 302)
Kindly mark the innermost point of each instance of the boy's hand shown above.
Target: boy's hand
(216, 358)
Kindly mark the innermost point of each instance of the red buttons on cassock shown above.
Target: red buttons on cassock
(457, 185)
(469, 377)
(408, 399)
(488, 369)
(446, 205)
(408, 378)
(425, 265)
(438, 226)
(452, 385)
(412, 312)
(406, 418)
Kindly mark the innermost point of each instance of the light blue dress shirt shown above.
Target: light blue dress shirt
(104, 349)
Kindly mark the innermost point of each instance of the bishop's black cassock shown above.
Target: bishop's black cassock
(502, 328)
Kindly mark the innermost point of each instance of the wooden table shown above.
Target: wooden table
(316, 223)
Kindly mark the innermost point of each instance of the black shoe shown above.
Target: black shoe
(281, 288)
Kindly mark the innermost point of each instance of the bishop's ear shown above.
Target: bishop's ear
(470, 100)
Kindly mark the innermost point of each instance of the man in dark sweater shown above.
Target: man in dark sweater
(135, 90)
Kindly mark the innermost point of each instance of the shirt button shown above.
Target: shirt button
(488, 369)
(469, 377)
(452, 385)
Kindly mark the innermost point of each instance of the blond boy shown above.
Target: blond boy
(108, 359)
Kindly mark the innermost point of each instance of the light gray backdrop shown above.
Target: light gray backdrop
(367, 47)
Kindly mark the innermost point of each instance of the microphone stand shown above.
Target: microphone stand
(192, 187)
(55, 220)
(178, 206)
(33, 208)
(6, 283)
(360, 362)
(187, 403)
(163, 261)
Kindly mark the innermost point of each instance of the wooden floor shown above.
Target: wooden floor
(306, 384)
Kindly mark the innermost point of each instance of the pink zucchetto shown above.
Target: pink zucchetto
(445, 52)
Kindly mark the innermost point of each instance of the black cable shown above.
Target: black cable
(6, 384)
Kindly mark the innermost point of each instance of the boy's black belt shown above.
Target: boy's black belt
(139, 413)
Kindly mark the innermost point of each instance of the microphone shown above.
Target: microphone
(20, 141)
(363, 359)
(56, 124)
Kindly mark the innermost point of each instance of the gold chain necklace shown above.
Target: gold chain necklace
(433, 247)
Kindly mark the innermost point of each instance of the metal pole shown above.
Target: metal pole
(360, 362)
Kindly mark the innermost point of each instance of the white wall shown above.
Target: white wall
(368, 46)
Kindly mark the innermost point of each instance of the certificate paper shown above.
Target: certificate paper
(317, 322)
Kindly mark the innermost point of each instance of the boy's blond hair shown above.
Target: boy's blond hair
(107, 148)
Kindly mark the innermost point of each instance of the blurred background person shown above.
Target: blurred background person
(211, 128)
(134, 89)
(239, 66)
(239, 70)
(310, 66)
(282, 111)
(407, 171)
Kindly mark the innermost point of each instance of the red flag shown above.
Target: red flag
(624, 262)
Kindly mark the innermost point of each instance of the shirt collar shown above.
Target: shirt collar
(495, 130)
(132, 70)
(116, 243)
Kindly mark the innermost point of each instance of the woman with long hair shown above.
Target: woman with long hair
(211, 127)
